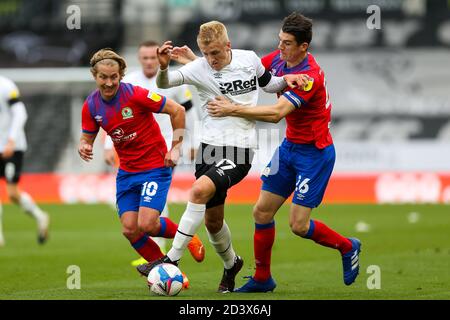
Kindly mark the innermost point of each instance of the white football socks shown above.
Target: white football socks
(160, 241)
(27, 204)
(189, 223)
(221, 241)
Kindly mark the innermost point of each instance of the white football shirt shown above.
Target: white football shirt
(237, 81)
(10, 127)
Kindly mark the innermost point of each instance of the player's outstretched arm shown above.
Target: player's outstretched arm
(177, 118)
(297, 80)
(164, 53)
(164, 78)
(278, 84)
(85, 147)
(222, 107)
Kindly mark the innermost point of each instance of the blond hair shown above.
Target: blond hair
(107, 56)
(212, 31)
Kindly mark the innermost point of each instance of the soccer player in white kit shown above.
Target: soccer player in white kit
(146, 78)
(13, 144)
(227, 144)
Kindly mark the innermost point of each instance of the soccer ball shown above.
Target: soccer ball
(165, 279)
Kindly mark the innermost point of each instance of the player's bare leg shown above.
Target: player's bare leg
(299, 219)
(263, 212)
(302, 225)
(26, 202)
(160, 241)
(129, 225)
(139, 240)
(148, 221)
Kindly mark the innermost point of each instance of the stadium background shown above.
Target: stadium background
(389, 89)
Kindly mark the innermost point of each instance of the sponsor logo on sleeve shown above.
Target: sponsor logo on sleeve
(14, 94)
(309, 86)
(154, 96)
(187, 94)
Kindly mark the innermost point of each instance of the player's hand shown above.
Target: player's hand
(85, 151)
(220, 107)
(8, 150)
(164, 53)
(183, 54)
(110, 157)
(296, 80)
(171, 158)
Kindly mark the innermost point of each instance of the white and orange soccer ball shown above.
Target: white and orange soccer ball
(165, 280)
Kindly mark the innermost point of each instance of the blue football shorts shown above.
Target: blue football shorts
(300, 168)
(142, 189)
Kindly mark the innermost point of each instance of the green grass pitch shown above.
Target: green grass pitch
(414, 258)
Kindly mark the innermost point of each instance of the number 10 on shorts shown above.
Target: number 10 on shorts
(149, 189)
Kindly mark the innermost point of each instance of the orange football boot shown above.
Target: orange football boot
(196, 248)
(185, 281)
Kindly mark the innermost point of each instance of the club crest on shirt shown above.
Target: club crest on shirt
(127, 113)
(154, 96)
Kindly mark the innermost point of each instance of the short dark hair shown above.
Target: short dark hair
(299, 26)
(149, 43)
